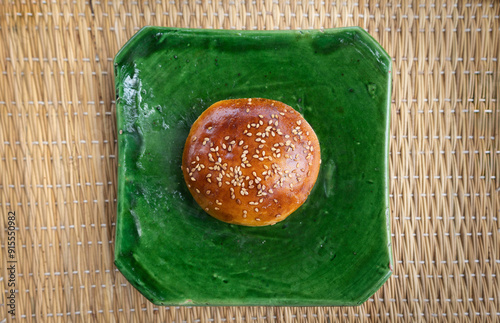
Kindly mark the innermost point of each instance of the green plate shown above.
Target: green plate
(335, 249)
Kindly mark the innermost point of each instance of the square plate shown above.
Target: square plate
(335, 249)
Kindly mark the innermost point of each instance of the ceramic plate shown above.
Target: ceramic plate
(335, 249)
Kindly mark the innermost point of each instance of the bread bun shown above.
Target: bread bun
(251, 161)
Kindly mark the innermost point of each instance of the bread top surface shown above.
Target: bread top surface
(251, 161)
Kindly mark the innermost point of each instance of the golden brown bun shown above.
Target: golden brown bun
(250, 161)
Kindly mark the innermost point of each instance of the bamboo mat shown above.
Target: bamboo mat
(59, 155)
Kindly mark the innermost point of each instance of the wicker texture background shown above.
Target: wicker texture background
(58, 154)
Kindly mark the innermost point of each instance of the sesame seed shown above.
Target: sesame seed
(299, 122)
(240, 143)
(282, 113)
(206, 209)
(194, 138)
(275, 201)
(226, 138)
(193, 179)
(277, 215)
(257, 219)
(216, 209)
(210, 128)
(261, 116)
(248, 110)
(198, 191)
(249, 134)
(208, 192)
(256, 209)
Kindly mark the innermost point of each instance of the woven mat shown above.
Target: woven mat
(58, 155)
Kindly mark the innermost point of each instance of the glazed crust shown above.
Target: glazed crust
(251, 161)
